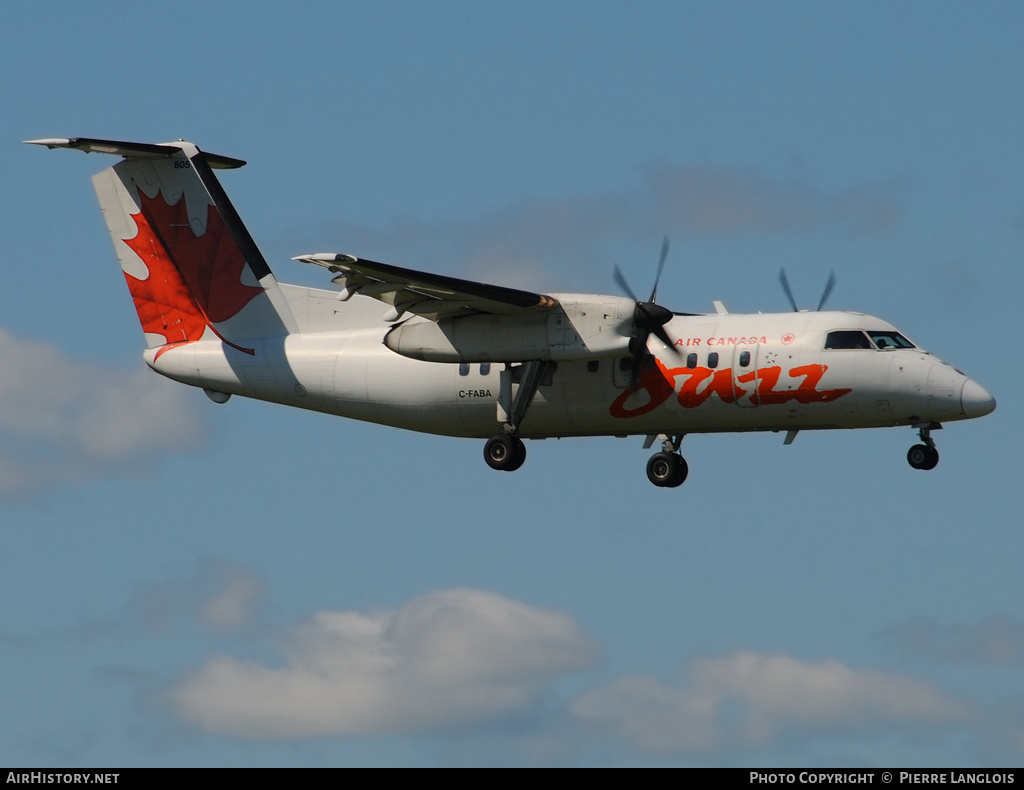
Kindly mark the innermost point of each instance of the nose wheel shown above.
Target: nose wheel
(924, 456)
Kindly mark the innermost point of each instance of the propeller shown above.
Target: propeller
(789, 292)
(648, 318)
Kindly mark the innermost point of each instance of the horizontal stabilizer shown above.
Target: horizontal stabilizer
(133, 150)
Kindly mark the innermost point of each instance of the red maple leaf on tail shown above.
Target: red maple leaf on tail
(194, 281)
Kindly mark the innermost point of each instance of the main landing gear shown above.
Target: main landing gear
(924, 456)
(505, 452)
(668, 468)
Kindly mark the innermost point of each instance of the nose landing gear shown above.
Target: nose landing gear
(924, 456)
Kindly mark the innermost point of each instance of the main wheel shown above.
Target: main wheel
(679, 473)
(518, 455)
(666, 470)
(504, 453)
(921, 456)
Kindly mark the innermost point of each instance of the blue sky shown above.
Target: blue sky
(192, 584)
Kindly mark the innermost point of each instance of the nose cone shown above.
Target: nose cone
(975, 400)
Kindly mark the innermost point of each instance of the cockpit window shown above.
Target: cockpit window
(886, 340)
(847, 338)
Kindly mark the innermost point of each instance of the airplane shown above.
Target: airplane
(442, 355)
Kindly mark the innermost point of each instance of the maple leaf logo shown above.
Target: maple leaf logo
(194, 281)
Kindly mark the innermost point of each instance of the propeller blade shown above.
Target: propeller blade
(621, 281)
(662, 335)
(661, 265)
(634, 374)
(638, 350)
(828, 289)
(648, 318)
(785, 287)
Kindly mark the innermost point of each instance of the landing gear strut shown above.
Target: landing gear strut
(668, 468)
(505, 452)
(924, 456)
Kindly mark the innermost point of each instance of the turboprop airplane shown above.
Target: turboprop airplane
(448, 356)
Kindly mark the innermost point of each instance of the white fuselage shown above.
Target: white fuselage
(444, 355)
(732, 373)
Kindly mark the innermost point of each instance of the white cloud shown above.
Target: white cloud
(522, 244)
(445, 660)
(997, 639)
(62, 421)
(518, 246)
(729, 200)
(234, 604)
(220, 595)
(749, 700)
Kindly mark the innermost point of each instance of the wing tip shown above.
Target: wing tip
(51, 142)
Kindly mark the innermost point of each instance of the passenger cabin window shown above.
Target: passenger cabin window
(744, 359)
(847, 338)
(485, 368)
(886, 340)
(593, 365)
(691, 361)
(713, 359)
(463, 368)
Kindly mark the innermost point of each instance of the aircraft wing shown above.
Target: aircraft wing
(432, 296)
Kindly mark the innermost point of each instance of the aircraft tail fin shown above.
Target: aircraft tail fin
(192, 268)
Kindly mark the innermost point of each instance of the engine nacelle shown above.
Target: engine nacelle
(575, 328)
